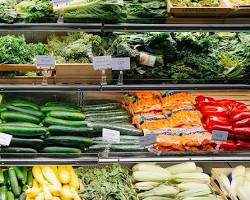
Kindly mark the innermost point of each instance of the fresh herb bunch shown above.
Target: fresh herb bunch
(107, 183)
(8, 12)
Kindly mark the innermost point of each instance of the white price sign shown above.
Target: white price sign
(148, 140)
(120, 63)
(219, 136)
(110, 136)
(5, 139)
(45, 62)
(102, 62)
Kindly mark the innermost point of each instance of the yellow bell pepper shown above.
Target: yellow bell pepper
(63, 174)
(37, 173)
(74, 182)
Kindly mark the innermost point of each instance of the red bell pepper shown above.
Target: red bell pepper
(242, 123)
(243, 144)
(240, 116)
(217, 120)
(236, 111)
(242, 131)
(220, 128)
(228, 146)
(225, 102)
(242, 137)
(200, 99)
(213, 111)
(230, 136)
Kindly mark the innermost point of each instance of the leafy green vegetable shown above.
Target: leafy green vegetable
(100, 10)
(109, 183)
(196, 3)
(8, 12)
(34, 10)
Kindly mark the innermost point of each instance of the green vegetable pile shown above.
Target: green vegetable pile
(75, 47)
(107, 183)
(100, 10)
(196, 3)
(146, 9)
(8, 12)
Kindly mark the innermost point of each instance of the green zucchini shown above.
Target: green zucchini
(126, 148)
(124, 130)
(22, 124)
(3, 108)
(1, 176)
(3, 193)
(25, 175)
(47, 109)
(10, 196)
(48, 121)
(14, 182)
(28, 111)
(18, 152)
(113, 119)
(26, 142)
(71, 141)
(22, 103)
(10, 116)
(55, 151)
(102, 107)
(24, 188)
(67, 115)
(23, 131)
(29, 178)
(6, 178)
(96, 112)
(66, 130)
(19, 174)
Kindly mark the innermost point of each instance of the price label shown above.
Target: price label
(45, 62)
(146, 59)
(5, 139)
(219, 136)
(110, 136)
(58, 2)
(102, 62)
(148, 140)
(120, 63)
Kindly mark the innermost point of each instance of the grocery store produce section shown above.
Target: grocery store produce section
(147, 181)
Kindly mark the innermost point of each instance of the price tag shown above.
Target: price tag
(58, 2)
(148, 140)
(102, 62)
(5, 139)
(110, 136)
(45, 62)
(146, 59)
(219, 136)
(120, 63)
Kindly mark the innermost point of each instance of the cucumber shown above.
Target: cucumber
(55, 151)
(22, 196)
(17, 150)
(124, 130)
(10, 196)
(22, 124)
(6, 178)
(10, 116)
(14, 182)
(25, 142)
(96, 112)
(23, 131)
(3, 193)
(67, 115)
(102, 107)
(48, 121)
(126, 148)
(66, 130)
(71, 141)
(22, 103)
(25, 175)
(3, 108)
(28, 111)
(106, 114)
(47, 109)
(51, 104)
(113, 119)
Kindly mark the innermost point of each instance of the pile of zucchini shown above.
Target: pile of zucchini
(15, 181)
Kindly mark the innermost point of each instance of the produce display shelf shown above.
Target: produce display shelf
(127, 27)
(116, 88)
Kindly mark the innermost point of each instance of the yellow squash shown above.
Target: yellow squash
(63, 174)
(49, 175)
(74, 182)
(37, 173)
